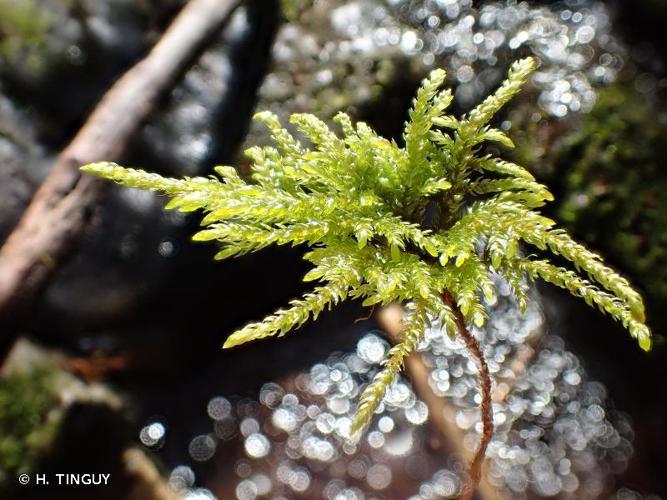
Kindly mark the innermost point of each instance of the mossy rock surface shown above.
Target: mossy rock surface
(26, 401)
(609, 171)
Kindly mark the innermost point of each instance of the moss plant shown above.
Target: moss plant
(424, 224)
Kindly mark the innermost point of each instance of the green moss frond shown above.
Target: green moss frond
(360, 202)
(415, 324)
(429, 104)
(495, 135)
(485, 186)
(498, 166)
(281, 137)
(518, 74)
(286, 320)
(592, 295)
(139, 179)
(562, 244)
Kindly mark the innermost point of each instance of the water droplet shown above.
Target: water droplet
(418, 414)
(152, 434)
(379, 477)
(371, 349)
(202, 447)
(257, 445)
(219, 408)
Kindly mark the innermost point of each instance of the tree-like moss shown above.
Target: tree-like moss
(425, 224)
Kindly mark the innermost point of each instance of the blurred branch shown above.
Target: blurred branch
(57, 215)
(145, 479)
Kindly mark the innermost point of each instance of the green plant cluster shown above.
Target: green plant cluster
(614, 184)
(24, 34)
(395, 223)
(26, 399)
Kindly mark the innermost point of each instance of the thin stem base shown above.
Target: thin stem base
(475, 467)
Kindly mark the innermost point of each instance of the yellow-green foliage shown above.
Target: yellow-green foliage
(23, 33)
(26, 399)
(360, 202)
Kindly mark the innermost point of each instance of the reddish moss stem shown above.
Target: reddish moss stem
(475, 467)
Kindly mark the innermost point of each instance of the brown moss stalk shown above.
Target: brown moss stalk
(475, 467)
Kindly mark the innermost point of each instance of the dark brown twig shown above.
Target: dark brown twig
(475, 468)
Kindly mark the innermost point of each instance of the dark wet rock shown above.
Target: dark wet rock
(135, 261)
(136, 257)
(69, 53)
(22, 164)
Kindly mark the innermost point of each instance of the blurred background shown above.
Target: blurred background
(116, 365)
